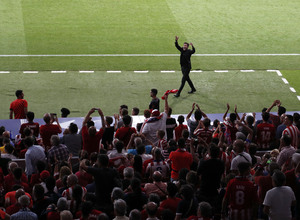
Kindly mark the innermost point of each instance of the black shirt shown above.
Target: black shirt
(154, 104)
(185, 56)
(105, 181)
(211, 172)
(171, 125)
(108, 136)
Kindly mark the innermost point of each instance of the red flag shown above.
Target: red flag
(168, 92)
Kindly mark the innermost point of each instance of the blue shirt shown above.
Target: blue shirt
(24, 214)
(32, 156)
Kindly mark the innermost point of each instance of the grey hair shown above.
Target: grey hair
(66, 215)
(117, 193)
(62, 204)
(120, 207)
(55, 140)
(24, 201)
(205, 209)
(296, 158)
(138, 141)
(128, 172)
(135, 215)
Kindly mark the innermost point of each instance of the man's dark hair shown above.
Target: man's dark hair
(123, 106)
(103, 160)
(73, 128)
(124, 112)
(264, 110)
(65, 112)
(250, 120)
(290, 118)
(28, 141)
(27, 132)
(187, 192)
(18, 172)
(18, 93)
(281, 110)
(119, 146)
(172, 189)
(243, 167)
(9, 148)
(265, 116)
(90, 124)
(185, 133)
(180, 119)
(198, 115)
(296, 117)
(2, 129)
(140, 149)
(135, 185)
(109, 120)
(50, 183)
(232, 117)
(127, 120)
(136, 110)
(216, 123)
(40, 166)
(181, 143)
(279, 178)
(287, 140)
(154, 91)
(186, 43)
(214, 151)
(30, 116)
(206, 122)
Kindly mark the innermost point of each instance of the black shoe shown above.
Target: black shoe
(192, 91)
(176, 95)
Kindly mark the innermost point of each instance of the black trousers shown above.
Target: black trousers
(185, 77)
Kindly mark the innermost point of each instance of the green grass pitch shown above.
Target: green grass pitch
(34, 27)
(48, 92)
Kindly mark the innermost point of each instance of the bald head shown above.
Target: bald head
(12, 166)
(157, 176)
(72, 180)
(19, 193)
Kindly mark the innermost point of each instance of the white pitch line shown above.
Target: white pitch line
(167, 71)
(278, 73)
(144, 55)
(114, 71)
(196, 71)
(4, 72)
(221, 71)
(30, 71)
(86, 71)
(298, 97)
(247, 71)
(58, 71)
(285, 81)
(141, 71)
(292, 89)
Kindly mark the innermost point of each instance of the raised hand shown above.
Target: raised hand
(228, 106)
(176, 38)
(191, 44)
(235, 108)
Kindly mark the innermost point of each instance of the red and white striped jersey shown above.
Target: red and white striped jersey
(162, 144)
(294, 133)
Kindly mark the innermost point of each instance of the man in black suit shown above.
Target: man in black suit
(185, 62)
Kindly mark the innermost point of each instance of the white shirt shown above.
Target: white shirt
(239, 158)
(280, 199)
(150, 129)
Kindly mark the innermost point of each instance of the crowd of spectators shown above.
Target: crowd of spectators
(240, 168)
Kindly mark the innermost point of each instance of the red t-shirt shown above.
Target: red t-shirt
(178, 131)
(124, 134)
(265, 134)
(47, 131)
(12, 198)
(275, 120)
(264, 184)
(35, 127)
(91, 143)
(84, 178)
(170, 203)
(180, 159)
(242, 194)
(14, 208)
(18, 107)
(9, 181)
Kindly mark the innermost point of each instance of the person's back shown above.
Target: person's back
(19, 106)
(73, 143)
(34, 154)
(265, 135)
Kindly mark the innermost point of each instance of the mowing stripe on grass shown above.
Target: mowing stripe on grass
(4, 72)
(58, 71)
(30, 71)
(86, 71)
(285, 81)
(144, 55)
(292, 89)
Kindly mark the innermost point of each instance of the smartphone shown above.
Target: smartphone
(53, 115)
